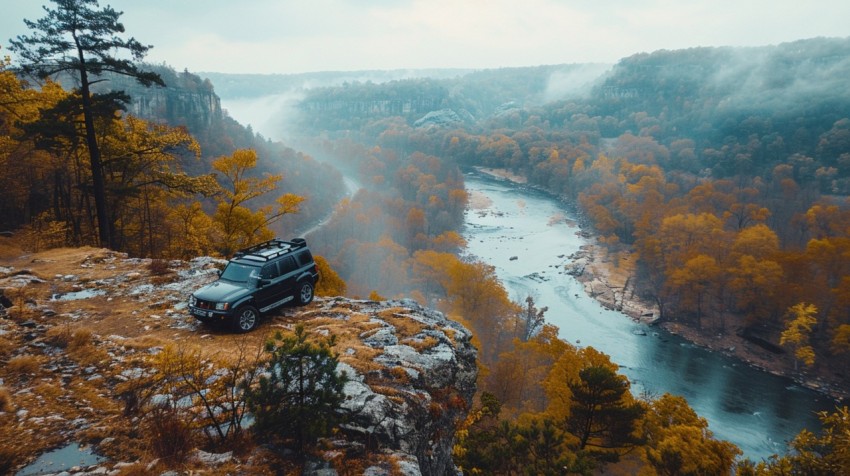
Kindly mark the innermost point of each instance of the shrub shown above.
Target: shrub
(65, 337)
(299, 393)
(169, 435)
(158, 267)
(330, 284)
(80, 338)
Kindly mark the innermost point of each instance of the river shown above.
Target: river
(756, 410)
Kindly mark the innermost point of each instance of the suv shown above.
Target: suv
(256, 280)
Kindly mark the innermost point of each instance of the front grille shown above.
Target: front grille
(205, 304)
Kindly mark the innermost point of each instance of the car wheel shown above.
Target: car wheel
(305, 293)
(247, 318)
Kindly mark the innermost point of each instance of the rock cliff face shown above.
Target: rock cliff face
(430, 376)
(196, 109)
(84, 321)
(185, 100)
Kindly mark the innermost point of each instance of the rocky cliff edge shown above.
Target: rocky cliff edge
(412, 371)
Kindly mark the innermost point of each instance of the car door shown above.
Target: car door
(268, 292)
(288, 276)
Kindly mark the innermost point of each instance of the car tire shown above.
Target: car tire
(305, 293)
(246, 319)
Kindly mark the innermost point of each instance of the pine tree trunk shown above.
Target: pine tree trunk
(98, 186)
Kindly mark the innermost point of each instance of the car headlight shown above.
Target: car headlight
(222, 306)
(192, 300)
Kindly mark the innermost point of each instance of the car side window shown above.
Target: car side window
(304, 258)
(269, 271)
(287, 265)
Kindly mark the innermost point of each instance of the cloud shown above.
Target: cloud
(265, 36)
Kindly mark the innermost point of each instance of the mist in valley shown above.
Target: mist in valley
(354, 132)
(265, 115)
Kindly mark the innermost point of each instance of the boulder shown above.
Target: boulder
(415, 422)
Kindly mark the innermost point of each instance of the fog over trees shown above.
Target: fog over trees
(723, 170)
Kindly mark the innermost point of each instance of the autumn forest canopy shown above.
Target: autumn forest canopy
(723, 170)
(721, 174)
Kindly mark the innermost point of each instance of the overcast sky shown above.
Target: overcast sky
(295, 36)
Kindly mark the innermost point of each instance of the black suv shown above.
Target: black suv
(256, 280)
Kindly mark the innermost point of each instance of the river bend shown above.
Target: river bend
(523, 234)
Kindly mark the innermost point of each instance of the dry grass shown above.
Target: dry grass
(399, 374)
(392, 393)
(145, 342)
(363, 359)
(405, 326)
(60, 335)
(48, 391)
(89, 355)
(23, 365)
(20, 310)
(348, 334)
(6, 347)
(450, 333)
(6, 400)
(8, 459)
(363, 321)
(9, 248)
(344, 464)
(92, 395)
(80, 338)
(78, 342)
(421, 344)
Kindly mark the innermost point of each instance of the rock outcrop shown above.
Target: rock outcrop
(84, 321)
(444, 118)
(431, 375)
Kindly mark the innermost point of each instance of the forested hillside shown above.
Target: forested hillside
(161, 150)
(725, 170)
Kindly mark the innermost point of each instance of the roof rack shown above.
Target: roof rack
(270, 249)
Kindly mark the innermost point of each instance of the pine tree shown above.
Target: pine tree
(602, 414)
(80, 39)
(299, 393)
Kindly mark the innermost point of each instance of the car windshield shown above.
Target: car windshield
(240, 273)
